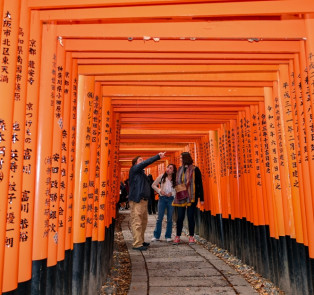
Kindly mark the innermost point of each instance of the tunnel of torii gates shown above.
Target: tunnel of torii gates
(86, 85)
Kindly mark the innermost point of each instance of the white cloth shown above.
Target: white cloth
(164, 186)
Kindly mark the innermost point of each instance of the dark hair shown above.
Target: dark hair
(135, 160)
(173, 177)
(186, 159)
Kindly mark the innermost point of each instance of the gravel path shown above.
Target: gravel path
(119, 278)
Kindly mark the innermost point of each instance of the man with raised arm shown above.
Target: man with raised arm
(138, 196)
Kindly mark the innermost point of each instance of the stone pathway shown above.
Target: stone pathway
(179, 269)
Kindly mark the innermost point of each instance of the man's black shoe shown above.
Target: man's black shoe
(141, 248)
(146, 244)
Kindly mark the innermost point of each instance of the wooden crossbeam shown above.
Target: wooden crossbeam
(181, 11)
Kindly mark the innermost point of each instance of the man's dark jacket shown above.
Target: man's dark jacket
(139, 182)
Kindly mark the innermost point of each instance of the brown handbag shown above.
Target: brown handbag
(181, 191)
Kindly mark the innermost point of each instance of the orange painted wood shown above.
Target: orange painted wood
(231, 82)
(297, 154)
(30, 146)
(187, 108)
(65, 158)
(283, 167)
(71, 160)
(173, 129)
(167, 61)
(82, 156)
(183, 46)
(100, 3)
(106, 124)
(292, 144)
(309, 59)
(266, 170)
(263, 75)
(115, 176)
(222, 99)
(189, 83)
(9, 42)
(44, 144)
(307, 131)
(303, 155)
(184, 102)
(57, 184)
(184, 56)
(213, 30)
(14, 222)
(256, 186)
(98, 163)
(94, 161)
(274, 162)
(223, 181)
(1, 11)
(175, 69)
(185, 91)
(184, 10)
(288, 139)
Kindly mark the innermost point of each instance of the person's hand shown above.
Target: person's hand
(162, 193)
(169, 194)
(162, 155)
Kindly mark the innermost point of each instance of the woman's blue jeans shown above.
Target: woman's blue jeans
(164, 202)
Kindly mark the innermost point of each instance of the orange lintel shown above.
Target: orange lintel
(166, 108)
(264, 75)
(193, 101)
(173, 138)
(227, 99)
(195, 120)
(150, 144)
(101, 70)
(164, 128)
(50, 4)
(183, 115)
(182, 46)
(179, 56)
(273, 29)
(183, 91)
(192, 83)
(188, 11)
(177, 61)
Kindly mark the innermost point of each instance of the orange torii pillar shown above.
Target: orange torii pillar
(66, 170)
(30, 145)
(9, 44)
(44, 157)
(105, 226)
(86, 86)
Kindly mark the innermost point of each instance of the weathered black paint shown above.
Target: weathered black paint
(39, 277)
(78, 268)
(93, 274)
(68, 271)
(86, 263)
(51, 284)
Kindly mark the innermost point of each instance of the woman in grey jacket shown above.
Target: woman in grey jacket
(166, 193)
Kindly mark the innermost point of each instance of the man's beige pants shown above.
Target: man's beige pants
(138, 222)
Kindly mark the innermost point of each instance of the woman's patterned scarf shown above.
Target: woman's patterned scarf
(188, 178)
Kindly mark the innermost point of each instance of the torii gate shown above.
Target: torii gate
(87, 85)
